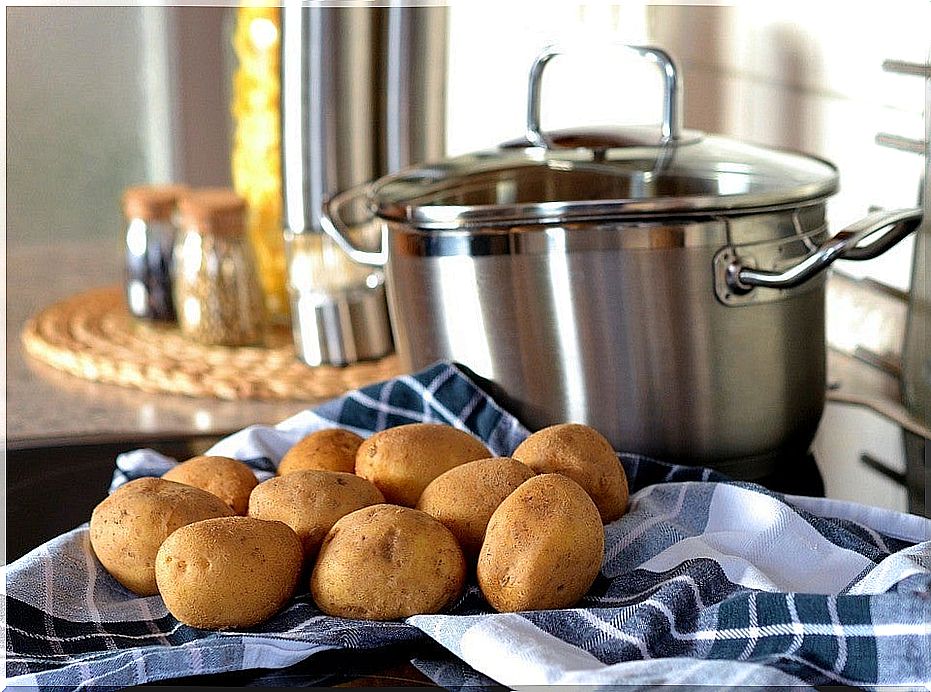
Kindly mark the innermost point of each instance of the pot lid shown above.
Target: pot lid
(701, 175)
(602, 173)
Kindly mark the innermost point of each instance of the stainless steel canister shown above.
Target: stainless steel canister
(661, 285)
(363, 93)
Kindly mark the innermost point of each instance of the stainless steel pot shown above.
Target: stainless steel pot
(662, 286)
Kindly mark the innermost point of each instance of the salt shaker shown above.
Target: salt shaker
(338, 308)
(151, 228)
(216, 285)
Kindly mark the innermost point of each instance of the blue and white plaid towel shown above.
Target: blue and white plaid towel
(705, 581)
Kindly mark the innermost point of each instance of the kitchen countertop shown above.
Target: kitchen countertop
(47, 407)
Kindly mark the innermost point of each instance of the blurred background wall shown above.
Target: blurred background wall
(99, 98)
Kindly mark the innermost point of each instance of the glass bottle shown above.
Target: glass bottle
(151, 227)
(216, 285)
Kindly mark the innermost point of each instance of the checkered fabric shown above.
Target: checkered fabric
(704, 581)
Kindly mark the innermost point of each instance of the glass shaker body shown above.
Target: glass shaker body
(151, 228)
(217, 293)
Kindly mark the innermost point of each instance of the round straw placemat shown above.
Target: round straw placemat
(93, 336)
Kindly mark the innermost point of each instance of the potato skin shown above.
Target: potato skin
(584, 455)
(387, 562)
(128, 527)
(543, 547)
(401, 461)
(333, 449)
(229, 572)
(464, 498)
(228, 479)
(311, 501)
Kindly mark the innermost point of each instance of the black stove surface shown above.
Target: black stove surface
(800, 478)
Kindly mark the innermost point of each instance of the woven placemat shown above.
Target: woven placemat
(93, 336)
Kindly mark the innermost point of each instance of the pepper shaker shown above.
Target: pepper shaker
(151, 228)
(216, 284)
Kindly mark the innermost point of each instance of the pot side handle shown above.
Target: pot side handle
(335, 226)
(885, 227)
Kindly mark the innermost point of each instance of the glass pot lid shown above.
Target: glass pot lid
(594, 174)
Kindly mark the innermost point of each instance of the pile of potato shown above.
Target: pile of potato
(381, 528)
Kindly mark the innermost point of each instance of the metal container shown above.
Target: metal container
(412, 76)
(151, 227)
(363, 93)
(660, 285)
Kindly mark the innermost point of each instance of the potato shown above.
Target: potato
(402, 461)
(310, 502)
(127, 528)
(543, 547)
(387, 562)
(228, 479)
(230, 572)
(464, 498)
(333, 449)
(585, 456)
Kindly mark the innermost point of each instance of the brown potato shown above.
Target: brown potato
(127, 528)
(310, 502)
(228, 479)
(402, 461)
(464, 498)
(229, 572)
(584, 455)
(387, 562)
(543, 547)
(333, 449)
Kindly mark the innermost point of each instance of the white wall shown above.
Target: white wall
(74, 102)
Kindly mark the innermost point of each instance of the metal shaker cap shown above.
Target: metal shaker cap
(343, 326)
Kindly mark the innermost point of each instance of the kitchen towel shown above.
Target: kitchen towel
(705, 581)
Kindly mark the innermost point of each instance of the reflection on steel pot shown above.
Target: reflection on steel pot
(662, 286)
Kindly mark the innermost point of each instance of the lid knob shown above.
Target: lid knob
(671, 128)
